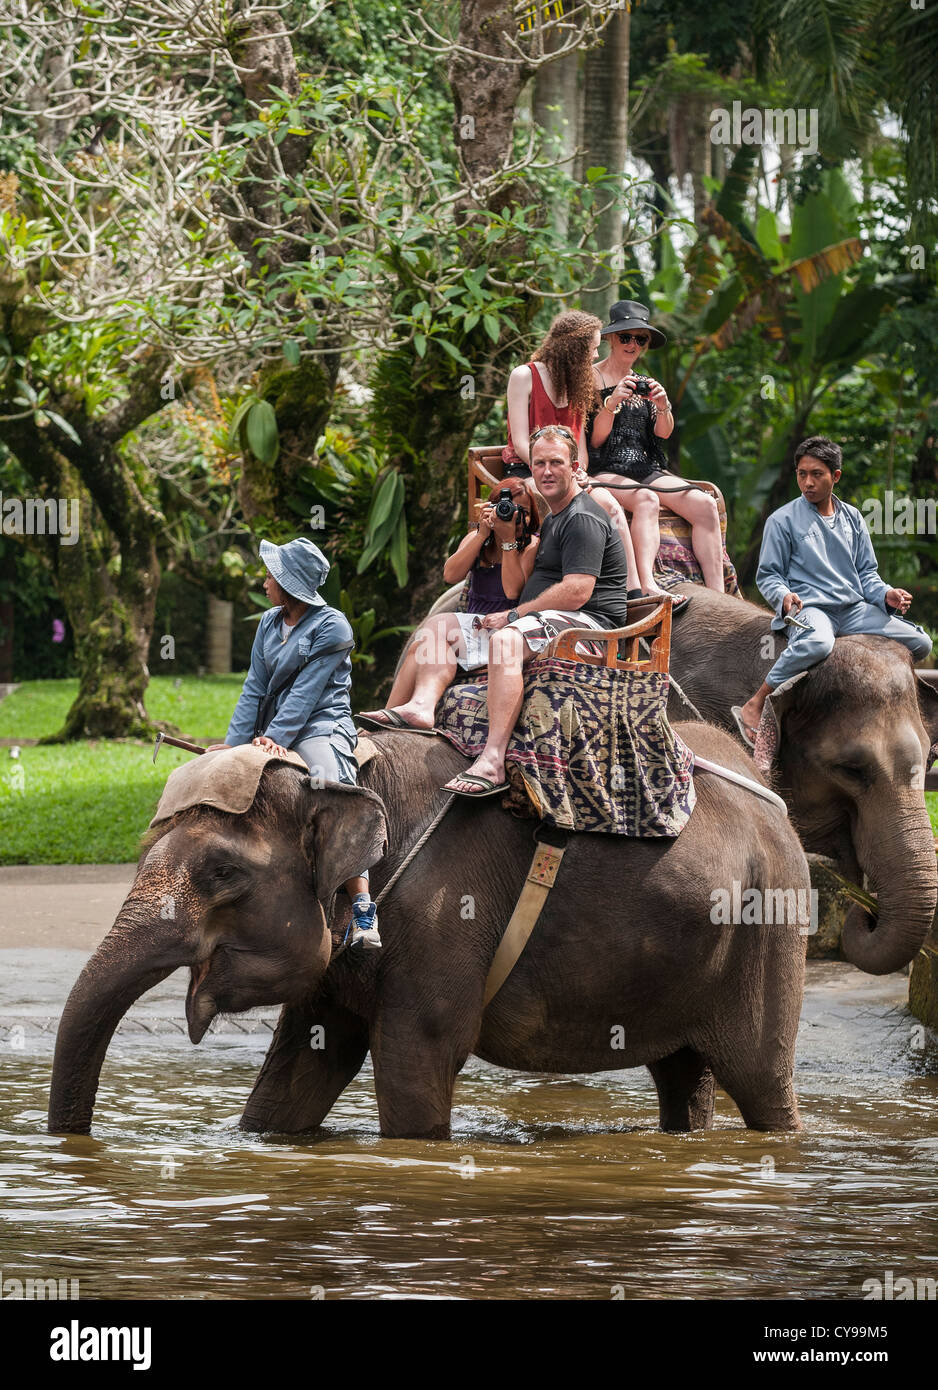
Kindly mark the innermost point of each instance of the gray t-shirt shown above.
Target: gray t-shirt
(582, 540)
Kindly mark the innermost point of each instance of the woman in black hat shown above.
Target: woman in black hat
(622, 440)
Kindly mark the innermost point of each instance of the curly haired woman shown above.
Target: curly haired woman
(557, 387)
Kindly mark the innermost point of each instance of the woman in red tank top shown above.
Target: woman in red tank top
(557, 388)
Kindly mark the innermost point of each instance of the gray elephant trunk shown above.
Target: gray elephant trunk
(135, 955)
(896, 850)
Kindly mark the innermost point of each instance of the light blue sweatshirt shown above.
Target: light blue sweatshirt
(827, 566)
(318, 702)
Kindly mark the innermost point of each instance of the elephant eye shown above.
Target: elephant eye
(852, 772)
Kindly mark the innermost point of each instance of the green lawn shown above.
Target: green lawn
(89, 803)
(200, 706)
(79, 803)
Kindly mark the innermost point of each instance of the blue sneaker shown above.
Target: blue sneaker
(364, 926)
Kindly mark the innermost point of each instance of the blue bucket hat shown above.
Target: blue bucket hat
(299, 567)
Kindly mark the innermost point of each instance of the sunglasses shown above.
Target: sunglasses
(639, 339)
(554, 429)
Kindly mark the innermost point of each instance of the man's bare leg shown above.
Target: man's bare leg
(508, 652)
(751, 712)
(433, 655)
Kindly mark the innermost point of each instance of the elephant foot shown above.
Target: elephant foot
(685, 1087)
(416, 1063)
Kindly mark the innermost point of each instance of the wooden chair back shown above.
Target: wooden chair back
(619, 647)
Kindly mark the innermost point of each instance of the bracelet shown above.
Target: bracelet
(612, 412)
(510, 545)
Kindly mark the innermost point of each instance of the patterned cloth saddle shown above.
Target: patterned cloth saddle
(592, 749)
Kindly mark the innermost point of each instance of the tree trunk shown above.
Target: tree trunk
(556, 108)
(106, 572)
(109, 594)
(485, 94)
(218, 636)
(605, 129)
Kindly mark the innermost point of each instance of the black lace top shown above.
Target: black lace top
(631, 448)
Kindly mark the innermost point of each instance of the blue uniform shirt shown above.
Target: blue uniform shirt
(826, 565)
(318, 702)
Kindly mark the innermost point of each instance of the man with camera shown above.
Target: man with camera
(579, 579)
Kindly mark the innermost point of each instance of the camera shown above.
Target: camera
(642, 386)
(506, 506)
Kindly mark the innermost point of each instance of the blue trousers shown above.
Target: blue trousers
(806, 649)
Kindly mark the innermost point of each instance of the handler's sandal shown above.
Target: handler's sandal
(364, 931)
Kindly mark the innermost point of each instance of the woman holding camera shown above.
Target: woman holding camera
(498, 556)
(622, 443)
(556, 388)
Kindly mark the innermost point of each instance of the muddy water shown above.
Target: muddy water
(551, 1187)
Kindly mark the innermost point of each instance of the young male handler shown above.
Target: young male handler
(817, 561)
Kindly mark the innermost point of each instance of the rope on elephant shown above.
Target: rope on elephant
(414, 850)
(689, 703)
(633, 487)
(705, 765)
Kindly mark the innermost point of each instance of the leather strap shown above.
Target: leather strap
(537, 885)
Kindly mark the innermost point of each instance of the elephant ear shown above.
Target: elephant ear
(928, 708)
(769, 738)
(346, 833)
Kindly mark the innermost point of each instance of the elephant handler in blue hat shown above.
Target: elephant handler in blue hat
(301, 669)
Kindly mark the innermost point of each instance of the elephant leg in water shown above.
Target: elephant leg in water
(316, 1051)
(685, 1086)
(417, 1054)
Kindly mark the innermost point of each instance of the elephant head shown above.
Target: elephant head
(245, 901)
(855, 739)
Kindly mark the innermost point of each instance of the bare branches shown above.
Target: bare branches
(526, 34)
(178, 178)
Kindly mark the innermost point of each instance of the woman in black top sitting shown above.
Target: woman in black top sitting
(622, 440)
(498, 556)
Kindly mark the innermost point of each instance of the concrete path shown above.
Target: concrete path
(52, 916)
(68, 906)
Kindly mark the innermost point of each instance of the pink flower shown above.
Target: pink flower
(58, 630)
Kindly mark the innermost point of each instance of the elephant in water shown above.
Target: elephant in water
(855, 733)
(627, 966)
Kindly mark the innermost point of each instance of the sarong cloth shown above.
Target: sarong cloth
(676, 562)
(592, 749)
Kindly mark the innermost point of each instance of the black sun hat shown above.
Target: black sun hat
(629, 316)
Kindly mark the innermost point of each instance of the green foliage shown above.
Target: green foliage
(199, 706)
